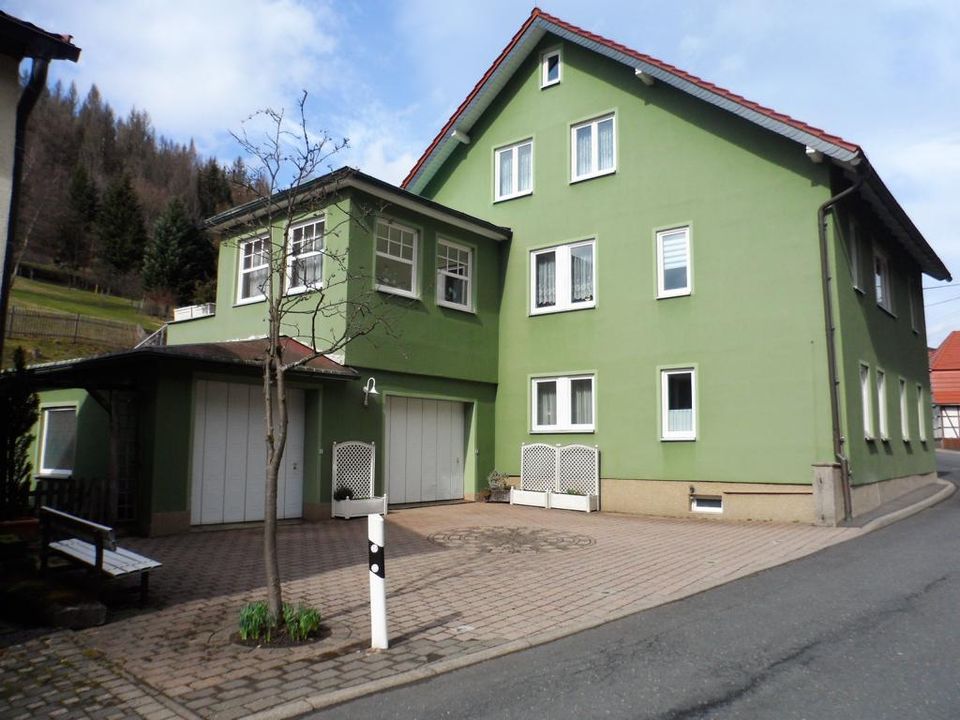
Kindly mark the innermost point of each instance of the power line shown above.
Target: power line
(941, 302)
(938, 287)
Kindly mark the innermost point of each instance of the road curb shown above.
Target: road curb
(946, 491)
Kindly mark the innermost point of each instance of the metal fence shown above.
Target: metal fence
(25, 322)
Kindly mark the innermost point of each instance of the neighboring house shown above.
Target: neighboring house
(662, 293)
(945, 384)
(19, 40)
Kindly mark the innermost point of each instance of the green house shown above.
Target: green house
(597, 249)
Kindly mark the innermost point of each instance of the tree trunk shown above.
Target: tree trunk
(276, 414)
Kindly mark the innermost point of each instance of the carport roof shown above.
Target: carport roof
(231, 354)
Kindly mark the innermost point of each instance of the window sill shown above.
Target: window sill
(396, 291)
(678, 439)
(302, 289)
(869, 438)
(673, 294)
(860, 290)
(505, 198)
(887, 310)
(591, 176)
(555, 310)
(250, 300)
(453, 306)
(58, 474)
(562, 431)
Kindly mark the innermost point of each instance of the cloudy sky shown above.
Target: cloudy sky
(387, 73)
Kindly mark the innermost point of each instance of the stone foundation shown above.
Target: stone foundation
(870, 497)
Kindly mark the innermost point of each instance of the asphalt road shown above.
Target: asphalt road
(868, 629)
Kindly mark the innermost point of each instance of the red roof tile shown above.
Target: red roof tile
(945, 371)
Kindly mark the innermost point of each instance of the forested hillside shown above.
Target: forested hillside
(110, 205)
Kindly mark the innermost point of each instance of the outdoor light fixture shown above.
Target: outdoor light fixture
(369, 389)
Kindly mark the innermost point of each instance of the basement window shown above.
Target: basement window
(706, 503)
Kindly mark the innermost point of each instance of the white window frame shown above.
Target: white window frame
(904, 411)
(882, 292)
(564, 424)
(882, 421)
(676, 292)
(241, 300)
(665, 433)
(45, 425)
(291, 258)
(866, 401)
(915, 292)
(468, 306)
(514, 149)
(414, 292)
(544, 63)
(695, 505)
(856, 260)
(562, 290)
(594, 148)
(921, 415)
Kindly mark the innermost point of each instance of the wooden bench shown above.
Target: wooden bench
(91, 544)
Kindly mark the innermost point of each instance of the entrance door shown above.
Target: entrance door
(229, 455)
(425, 450)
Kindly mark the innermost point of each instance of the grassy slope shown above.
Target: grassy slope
(58, 298)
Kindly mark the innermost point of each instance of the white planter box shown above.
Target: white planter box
(528, 497)
(583, 503)
(357, 508)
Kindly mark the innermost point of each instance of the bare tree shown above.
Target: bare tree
(284, 160)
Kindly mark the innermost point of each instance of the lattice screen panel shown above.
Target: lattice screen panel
(353, 467)
(538, 467)
(578, 469)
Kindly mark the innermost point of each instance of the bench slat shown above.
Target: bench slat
(116, 563)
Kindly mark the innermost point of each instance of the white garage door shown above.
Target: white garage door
(229, 455)
(425, 450)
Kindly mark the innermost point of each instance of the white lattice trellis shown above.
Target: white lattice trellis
(353, 467)
(578, 469)
(538, 467)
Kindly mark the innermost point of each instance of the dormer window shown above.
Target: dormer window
(550, 68)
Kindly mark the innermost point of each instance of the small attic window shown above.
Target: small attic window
(550, 68)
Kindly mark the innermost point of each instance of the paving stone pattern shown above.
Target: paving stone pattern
(460, 579)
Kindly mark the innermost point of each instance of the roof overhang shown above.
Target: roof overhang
(21, 39)
(349, 178)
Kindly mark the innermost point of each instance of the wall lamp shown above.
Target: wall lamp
(369, 389)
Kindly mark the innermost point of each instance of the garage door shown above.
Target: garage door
(425, 450)
(229, 455)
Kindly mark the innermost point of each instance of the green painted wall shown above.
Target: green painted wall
(165, 432)
(753, 325)
(92, 432)
(869, 334)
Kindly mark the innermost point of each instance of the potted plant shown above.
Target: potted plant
(498, 487)
(347, 505)
(571, 498)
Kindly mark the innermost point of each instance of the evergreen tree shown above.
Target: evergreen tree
(179, 257)
(76, 231)
(213, 189)
(120, 226)
(20, 412)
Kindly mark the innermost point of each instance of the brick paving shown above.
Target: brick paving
(462, 580)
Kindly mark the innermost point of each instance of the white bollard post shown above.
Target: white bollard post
(378, 583)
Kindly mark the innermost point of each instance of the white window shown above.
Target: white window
(563, 404)
(397, 252)
(921, 415)
(881, 280)
(454, 275)
(593, 149)
(59, 441)
(673, 262)
(563, 278)
(916, 304)
(551, 69)
(254, 270)
(882, 404)
(678, 393)
(513, 170)
(904, 412)
(856, 269)
(866, 401)
(305, 257)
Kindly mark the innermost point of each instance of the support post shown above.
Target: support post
(378, 583)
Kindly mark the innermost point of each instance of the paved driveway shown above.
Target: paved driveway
(462, 580)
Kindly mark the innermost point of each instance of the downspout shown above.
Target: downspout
(826, 279)
(31, 93)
